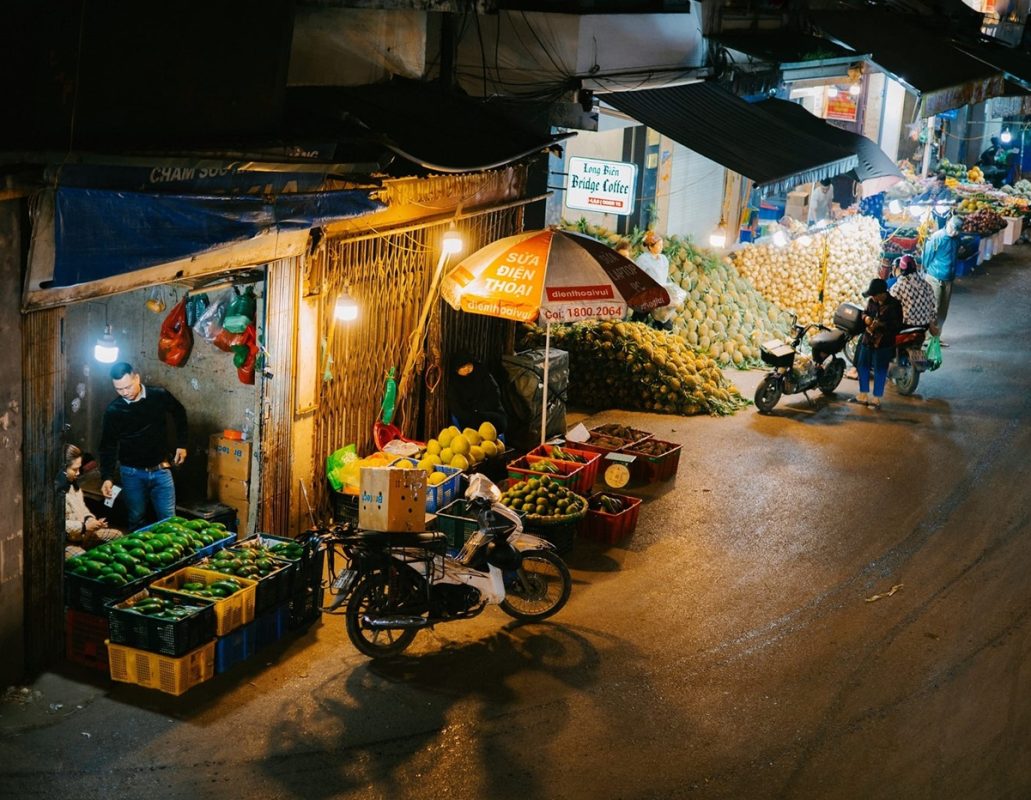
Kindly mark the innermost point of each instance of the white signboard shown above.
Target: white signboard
(605, 186)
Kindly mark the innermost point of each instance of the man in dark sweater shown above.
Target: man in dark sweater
(135, 437)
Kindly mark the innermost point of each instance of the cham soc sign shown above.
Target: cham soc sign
(605, 186)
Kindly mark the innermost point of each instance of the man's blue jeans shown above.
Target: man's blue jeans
(139, 485)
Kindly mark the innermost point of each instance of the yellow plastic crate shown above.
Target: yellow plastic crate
(230, 612)
(164, 673)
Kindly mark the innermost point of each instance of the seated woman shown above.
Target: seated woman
(473, 396)
(83, 531)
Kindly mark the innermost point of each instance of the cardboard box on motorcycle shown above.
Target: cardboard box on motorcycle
(392, 500)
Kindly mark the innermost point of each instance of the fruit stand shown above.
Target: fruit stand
(197, 603)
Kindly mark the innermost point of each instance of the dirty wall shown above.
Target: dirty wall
(207, 385)
(11, 538)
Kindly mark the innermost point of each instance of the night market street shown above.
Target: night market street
(829, 602)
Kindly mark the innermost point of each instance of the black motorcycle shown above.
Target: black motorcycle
(794, 372)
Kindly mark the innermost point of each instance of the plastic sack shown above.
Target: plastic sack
(176, 338)
(337, 464)
(196, 305)
(245, 356)
(209, 325)
(934, 352)
(241, 310)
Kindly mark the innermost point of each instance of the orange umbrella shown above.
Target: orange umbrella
(551, 276)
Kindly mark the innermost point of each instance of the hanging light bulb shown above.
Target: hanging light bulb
(718, 238)
(895, 207)
(106, 349)
(855, 89)
(452, 242)
(1006, 137)
(780, 238)
(346, 307)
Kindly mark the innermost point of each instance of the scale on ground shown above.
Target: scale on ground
(617, 473)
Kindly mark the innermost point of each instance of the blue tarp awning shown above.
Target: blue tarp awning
(104, 233)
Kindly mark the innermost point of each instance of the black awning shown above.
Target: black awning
(421, 122)
(786, 47)
(720, 126)
(916, 54)
(1013, 63)
(872, 162)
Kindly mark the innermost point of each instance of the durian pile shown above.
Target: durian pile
(723, 316)
(813, 274)
(632, 366)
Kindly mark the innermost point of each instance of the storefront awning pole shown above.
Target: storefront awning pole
(544, 398)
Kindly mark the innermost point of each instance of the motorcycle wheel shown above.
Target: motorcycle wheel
(767, 394)
(539, 588)
(831, 376)
(375, 595)
(906, 378)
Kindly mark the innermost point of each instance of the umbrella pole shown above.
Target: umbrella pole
(544, 398)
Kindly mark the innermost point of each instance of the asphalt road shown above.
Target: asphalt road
(735, 647)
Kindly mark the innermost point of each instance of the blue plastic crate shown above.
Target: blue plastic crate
(445, 492)
(965, 266)
(234, 647)
(271, 626)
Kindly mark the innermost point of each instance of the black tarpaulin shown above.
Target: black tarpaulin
(872, 162)
(916, 54)
(742, 137)
(1013, 63)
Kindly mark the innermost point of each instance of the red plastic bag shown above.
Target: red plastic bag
(176, 339)
(245, 362)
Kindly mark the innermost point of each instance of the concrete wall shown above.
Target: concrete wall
(207, 385)
(11, 535)
(692, 197)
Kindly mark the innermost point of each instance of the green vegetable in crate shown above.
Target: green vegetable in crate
(543, 500)
(289, 550)
(564, 455)
(607, 503)
(544, 465)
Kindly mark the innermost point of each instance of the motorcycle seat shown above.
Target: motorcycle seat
(827, 343)
(913, 329)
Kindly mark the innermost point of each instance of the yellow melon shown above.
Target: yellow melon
(489, 448)
(445, 437)
(433, 459)
(403, 463)
(488, 432)
(476, 454)
(433, 447)
(460, 445)
(472, 436)
(460, 462)
(436, 478)
(454, 430)
(425, 465)
(446, 455)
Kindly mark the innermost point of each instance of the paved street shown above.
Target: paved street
(733, 648)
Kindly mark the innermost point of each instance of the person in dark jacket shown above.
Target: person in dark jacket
(135, 437)
(883, 320)
(473, 396)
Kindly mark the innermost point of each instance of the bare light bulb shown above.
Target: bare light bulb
(106, 349)
(346, 308)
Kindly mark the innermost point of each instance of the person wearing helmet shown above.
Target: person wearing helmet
(939, 257)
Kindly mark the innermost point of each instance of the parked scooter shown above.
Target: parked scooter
(399, 583)
(796, 373)
(909, 362)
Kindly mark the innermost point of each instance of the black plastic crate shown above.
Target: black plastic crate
(92, 596)
(562, 534)
(308, 569)
(273, 588)
(167, 637)
(306, 607)
(271, 626)
(777, 353)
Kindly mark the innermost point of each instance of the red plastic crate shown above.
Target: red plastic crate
(654, 468)
(569, 473)
(602, 526)
(590, 469)
(85, 636)
(584, 477)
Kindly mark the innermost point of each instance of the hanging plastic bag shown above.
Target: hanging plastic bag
(336, 466)
(196, 305)
(241, 311)
(245, 355)
(176, 339)
(209, 324)
(934, 353)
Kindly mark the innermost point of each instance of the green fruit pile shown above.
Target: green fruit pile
(246, 562)
(168, 609)
(145, 552)
(215, 590)
(544, 501)
(291, 551)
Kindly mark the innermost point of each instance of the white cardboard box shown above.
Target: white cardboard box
(392, 500)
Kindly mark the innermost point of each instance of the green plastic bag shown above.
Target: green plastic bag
(241, 311)
(337, 463)
(934, 353)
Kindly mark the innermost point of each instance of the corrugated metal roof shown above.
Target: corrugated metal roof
(710, 120)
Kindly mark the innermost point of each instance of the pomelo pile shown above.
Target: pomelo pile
(460, 449)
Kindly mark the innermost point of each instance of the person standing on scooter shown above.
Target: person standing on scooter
(883, 320)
